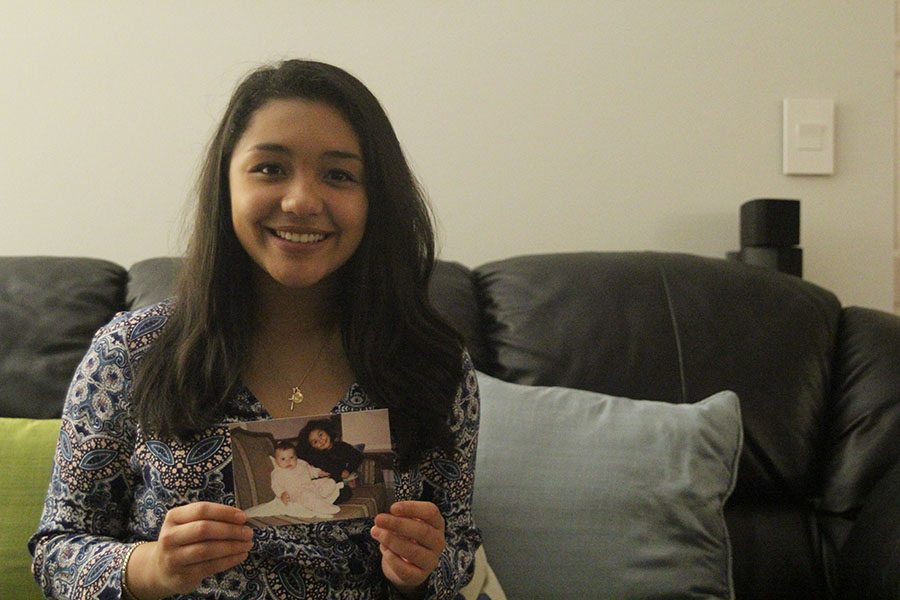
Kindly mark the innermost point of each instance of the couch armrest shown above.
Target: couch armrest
(863, 423)
(869, 562)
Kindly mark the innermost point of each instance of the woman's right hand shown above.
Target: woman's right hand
(196, 540)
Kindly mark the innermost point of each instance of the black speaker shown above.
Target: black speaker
(770, 222)
(770, 233)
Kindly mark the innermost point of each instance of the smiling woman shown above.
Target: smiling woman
(303, 292)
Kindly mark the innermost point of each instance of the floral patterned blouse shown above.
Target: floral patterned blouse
(112, 486)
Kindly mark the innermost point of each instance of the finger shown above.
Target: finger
(201, 531)
(222, 564)
(401, 571)
(418, 531)
(209, 511)
(424, 511)
(416, 554)
(195, 555)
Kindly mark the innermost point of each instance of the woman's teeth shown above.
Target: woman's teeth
(303, 238)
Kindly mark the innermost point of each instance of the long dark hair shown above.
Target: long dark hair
(403, 353)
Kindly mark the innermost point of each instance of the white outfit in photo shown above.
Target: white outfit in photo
(310, 497)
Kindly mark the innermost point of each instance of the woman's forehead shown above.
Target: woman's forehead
(294, 123)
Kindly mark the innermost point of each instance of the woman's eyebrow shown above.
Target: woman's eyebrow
(269, 147)
(281, 149)
(343, 154)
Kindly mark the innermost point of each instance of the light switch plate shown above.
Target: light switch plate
(808, 136)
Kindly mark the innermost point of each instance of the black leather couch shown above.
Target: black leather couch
(815, 511)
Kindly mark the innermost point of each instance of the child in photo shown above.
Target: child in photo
(300, 489)
(339, 460)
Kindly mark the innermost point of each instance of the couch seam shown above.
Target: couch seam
(665, 282)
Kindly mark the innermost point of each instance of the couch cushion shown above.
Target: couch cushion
(50, 309)
(26, 460)
(675, 328)
(582, 495)
(151, 280)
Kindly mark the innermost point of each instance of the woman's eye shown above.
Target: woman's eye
(340, 176)
(270, 169)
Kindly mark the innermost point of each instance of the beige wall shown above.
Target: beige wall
(535, 126)
(896, 162)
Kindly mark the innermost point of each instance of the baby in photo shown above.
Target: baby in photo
(300, 490)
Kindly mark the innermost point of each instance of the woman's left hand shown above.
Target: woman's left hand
(411, 538)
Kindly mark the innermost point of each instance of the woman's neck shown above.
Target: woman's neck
(295, 345)
(293, 314)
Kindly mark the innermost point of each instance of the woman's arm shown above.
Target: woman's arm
(450, 560)
(86, 532)
(79, 546)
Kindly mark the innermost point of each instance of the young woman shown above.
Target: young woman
(304, 291)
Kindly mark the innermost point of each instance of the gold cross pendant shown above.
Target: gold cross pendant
(296, 397)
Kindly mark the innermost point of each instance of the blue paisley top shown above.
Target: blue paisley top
(112, 485)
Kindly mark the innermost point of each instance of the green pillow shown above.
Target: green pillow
(583, 495)
(26, 459)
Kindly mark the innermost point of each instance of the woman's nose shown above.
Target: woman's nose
(302, 196)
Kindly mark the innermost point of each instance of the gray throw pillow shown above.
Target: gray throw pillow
(583, 495)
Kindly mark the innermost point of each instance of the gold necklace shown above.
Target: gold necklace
(296, 396)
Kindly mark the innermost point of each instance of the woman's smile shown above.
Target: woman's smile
(301, 238)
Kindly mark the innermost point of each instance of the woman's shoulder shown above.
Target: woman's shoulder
(467, 404)
(136, 330)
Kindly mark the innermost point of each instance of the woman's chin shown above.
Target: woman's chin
(298, 281)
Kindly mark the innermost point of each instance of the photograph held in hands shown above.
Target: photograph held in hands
(313, 468)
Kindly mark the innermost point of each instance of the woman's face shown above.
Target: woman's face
(298, 202)
(319, 439)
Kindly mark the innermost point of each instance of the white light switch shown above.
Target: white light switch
(808, 131)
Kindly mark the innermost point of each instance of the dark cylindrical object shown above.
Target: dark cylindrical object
(770, 222)
(770, 234)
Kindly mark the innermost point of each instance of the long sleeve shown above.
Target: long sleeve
(452, 480)
(350, 457)
(80, 543)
